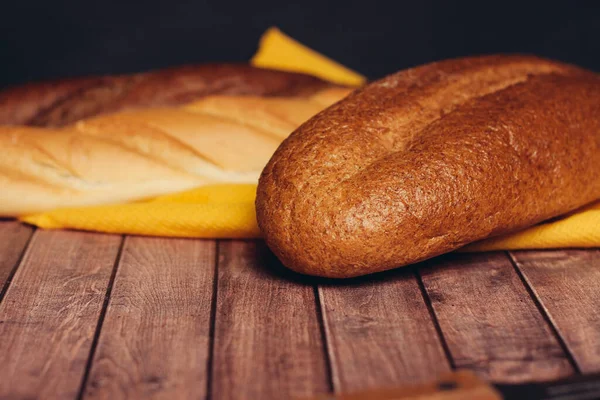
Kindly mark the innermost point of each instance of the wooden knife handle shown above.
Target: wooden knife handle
(459, 385)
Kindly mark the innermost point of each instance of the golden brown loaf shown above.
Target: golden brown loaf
(429, 159)
(61, 102)
(142, 152)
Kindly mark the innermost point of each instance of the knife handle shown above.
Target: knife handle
(459, 385)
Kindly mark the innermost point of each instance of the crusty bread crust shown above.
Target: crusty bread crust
(133, 144)
(60, 102)
(429, 159)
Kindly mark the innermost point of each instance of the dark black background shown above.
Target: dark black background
(48, 39)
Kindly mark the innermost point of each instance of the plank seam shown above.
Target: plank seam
(545, 314)
(15, 267)
(323, 331)
(98, 330)
(434, 320)
(212, 326)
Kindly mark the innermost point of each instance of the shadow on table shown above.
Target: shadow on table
(265, 264)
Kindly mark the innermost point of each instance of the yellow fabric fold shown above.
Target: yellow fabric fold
(578, 230)
(227, 211)
(215, 211)
(278, 51)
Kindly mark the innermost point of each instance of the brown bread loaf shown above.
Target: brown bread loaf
(429, 159)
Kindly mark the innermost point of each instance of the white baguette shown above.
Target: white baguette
(133, 155)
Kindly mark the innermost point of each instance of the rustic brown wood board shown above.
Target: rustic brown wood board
(93, 316)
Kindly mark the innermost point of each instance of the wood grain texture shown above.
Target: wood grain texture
(154, 342)
(489, 321)
(567, 284)
(267, 336)
(50, 312)
(380, 332)
(14, 236)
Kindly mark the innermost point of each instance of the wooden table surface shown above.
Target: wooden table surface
(88, 315)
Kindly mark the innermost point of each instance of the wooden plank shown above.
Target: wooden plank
(50, 313)
(155, 337)
(489, 321)
(567, 284)
(14, 237)
(380, 332)
(267, 335)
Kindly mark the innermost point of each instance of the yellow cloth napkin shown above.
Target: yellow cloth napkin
(215, 211)
(227, 211)
(279, 51)
(577, 230)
